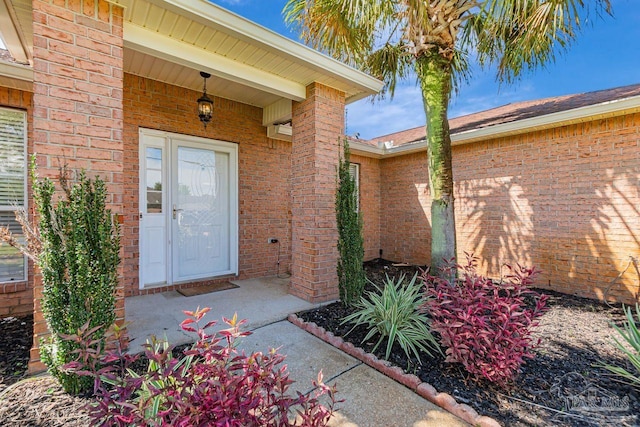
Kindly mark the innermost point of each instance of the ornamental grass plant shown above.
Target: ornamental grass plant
(393, 313)
(628, 341)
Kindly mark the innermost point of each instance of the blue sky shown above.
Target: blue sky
(606, 55)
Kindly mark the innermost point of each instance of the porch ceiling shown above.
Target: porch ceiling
(164, 70)
(172, 40)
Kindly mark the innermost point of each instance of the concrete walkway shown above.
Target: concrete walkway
(260, 301)
(371, 398)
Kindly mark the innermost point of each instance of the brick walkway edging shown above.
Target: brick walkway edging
(443, 400)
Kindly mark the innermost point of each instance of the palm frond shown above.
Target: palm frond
(461, 71)
(523, 35)
(344, 29)
(390, 63)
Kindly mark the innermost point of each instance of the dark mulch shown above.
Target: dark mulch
(562, 386)
(38, 401)
(16, 338)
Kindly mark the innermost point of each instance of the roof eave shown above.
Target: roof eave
(547, 121)
(11, 35)
(245, 29)
(561, 118)
(16, 76)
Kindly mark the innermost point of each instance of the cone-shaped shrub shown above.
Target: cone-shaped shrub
(351, 278)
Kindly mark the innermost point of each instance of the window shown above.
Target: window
(154, 179)
(354, 170)
(13, 138)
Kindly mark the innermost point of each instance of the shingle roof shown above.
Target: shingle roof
(514, 112)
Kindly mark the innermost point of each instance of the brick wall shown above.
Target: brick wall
(370, 204)
(77, 118)
(16, 299)
(565, 200)
(405, 214)
(318, 123)
(264, 179)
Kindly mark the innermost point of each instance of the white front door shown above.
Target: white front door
(188, 216)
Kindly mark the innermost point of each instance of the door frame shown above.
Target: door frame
(170, 140)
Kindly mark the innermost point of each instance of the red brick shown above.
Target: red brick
(484, 421)
(317, 123)
(63, 108)
(445, 401)
(65, 116)
(264, 195)
(561, 199)
(50, 10)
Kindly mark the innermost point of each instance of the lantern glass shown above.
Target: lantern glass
(205, 104)
(205, 108)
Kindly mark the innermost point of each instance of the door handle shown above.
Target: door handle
(175, 211)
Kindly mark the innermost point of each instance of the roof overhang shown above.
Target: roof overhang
(356, 84)
(173, 40)
(151, 43)
(577, 115)
(16, 76)
(11, 30)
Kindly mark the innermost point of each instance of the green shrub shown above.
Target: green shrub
(394, 313)
(78, 260)
(351, 278)
(631, 335)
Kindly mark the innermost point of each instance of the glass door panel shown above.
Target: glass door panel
(200, 213)
(153, 222)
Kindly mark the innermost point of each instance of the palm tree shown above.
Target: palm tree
(390, 38)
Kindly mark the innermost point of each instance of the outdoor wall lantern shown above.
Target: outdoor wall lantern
(205, 104)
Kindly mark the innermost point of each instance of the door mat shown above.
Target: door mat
(205, 289)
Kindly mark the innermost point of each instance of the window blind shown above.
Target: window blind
(12, 189)
(12, 158)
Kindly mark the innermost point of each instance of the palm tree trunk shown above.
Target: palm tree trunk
(434, 73)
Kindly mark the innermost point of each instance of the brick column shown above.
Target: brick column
(318, 125)
(77, 116)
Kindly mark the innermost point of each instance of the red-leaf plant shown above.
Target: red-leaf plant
(484, 325)
(213, 384)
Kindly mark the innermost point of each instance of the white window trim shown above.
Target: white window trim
(356, 175)
(25, 206)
